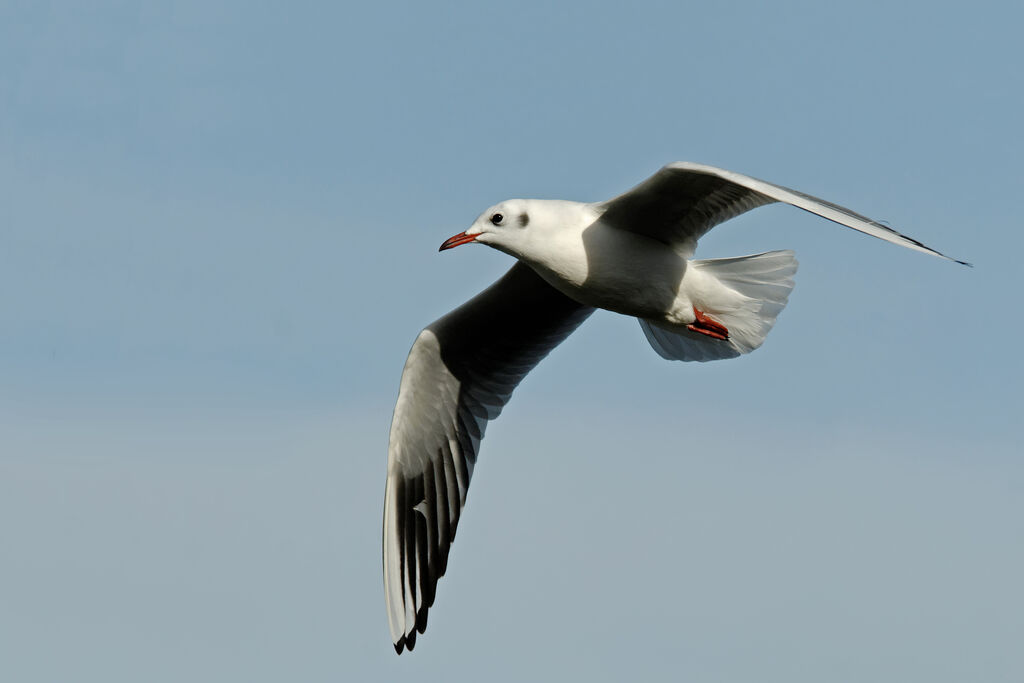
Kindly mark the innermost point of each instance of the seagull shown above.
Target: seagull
(633, 255)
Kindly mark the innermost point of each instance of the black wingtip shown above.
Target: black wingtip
(406, 642)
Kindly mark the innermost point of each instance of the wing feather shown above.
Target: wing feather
(682, 201)
(460, 373)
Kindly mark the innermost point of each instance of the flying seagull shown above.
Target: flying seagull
(631, 255)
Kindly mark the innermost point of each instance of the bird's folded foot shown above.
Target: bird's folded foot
(706, 325)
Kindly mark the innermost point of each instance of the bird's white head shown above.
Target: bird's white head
(515, 225)
(503, 226)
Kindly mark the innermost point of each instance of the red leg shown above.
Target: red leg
(706, 325)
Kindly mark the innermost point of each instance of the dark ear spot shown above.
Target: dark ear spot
(524, 220)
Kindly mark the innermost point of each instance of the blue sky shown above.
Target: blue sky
(218, 235)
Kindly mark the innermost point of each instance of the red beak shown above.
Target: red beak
(456, 240)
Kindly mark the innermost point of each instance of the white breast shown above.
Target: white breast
(612, 269)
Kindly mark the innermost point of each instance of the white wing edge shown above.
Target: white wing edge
(392, 569)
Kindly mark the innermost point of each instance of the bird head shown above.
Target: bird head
(504, 226)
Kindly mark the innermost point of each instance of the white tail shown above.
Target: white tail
(761, 284)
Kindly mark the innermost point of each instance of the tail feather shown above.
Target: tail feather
(758, 288)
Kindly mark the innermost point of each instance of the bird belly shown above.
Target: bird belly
(619, 271)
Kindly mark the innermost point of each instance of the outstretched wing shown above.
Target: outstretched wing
(461, 371)
(682, 201)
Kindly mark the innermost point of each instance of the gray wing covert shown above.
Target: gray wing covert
(679, 204)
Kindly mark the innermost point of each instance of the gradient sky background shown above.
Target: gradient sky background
(218, 235)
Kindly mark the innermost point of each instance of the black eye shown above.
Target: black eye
(497, 219)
